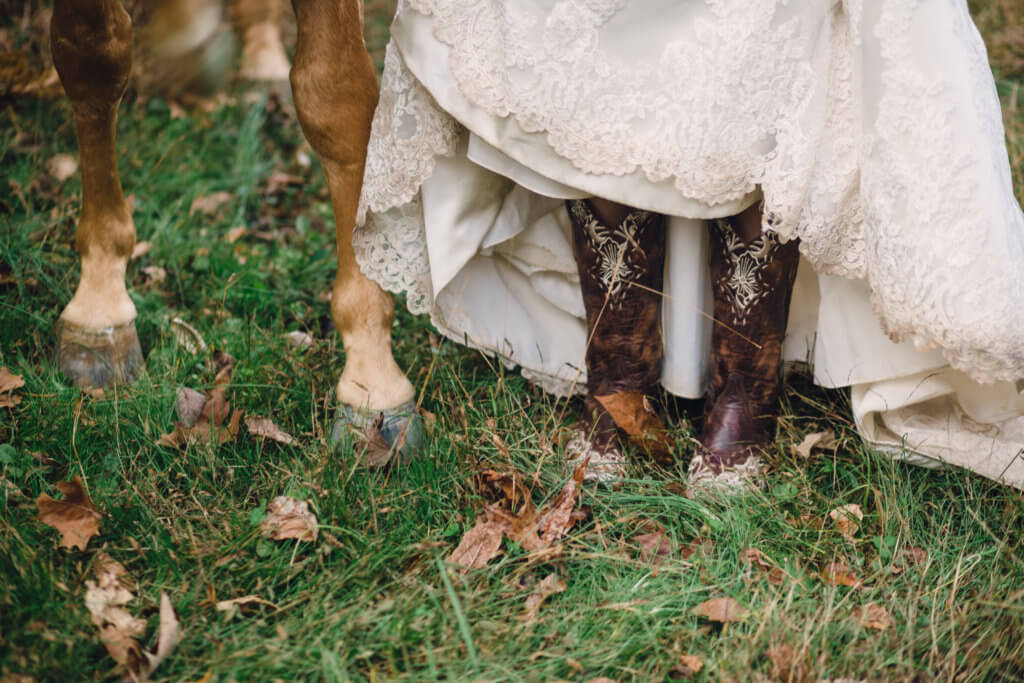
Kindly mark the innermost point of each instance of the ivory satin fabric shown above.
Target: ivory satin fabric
(492, 113)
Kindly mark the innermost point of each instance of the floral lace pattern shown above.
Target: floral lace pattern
(898, 176)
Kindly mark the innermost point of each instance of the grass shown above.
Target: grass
(378, 602)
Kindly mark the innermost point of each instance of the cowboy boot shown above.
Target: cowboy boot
(621, 271)
(752, 285)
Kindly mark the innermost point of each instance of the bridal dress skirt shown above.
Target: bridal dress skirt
(870, 130)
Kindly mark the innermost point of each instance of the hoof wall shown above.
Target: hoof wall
(398, 431)
(95, 359)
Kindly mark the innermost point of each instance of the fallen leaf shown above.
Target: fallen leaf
(168, 636)
(548, 586)
(213, 410)
(819, 440)
(655, 546)
(279, 180)
(635, 415)
(847, 519)
(235, 234)
(907, 558)
(299, 340)
(210, 203)
(61, 166)
(478, 546)
(233, 603)
(141, 249)
(8, 383)
(261, 426)
(688, 665)
(105, 599)
(786, 665)
(839, 574)
(75, 517)
(873, 615)
(558, 519)
(721, 610)
(289, 518)
(190, 405)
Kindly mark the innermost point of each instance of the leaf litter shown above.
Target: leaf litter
(75, 516)
(201, 418)
(8, 383)
(289, 518)
(119, 630)
(265, 427)
(545, 588)
(515, 517)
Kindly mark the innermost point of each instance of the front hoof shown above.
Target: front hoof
(386, 432)
(94, 359)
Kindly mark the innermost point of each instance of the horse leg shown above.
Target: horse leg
(335, 89)
(91, 42)
(258, 22)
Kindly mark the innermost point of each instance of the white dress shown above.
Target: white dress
(870, 129)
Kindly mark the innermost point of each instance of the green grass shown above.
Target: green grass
(378, 602)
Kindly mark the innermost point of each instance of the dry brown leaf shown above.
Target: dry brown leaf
(688, 665)
(721, 610)
(839, 574)
(214, 409)
(635, 415)
(289, 518)
(234, 603)
(873, 615)
(141, 249)
(299, 340)
(548, 586)
(61, 166)
(479, 545)
(557, 521)
(261, 426)
(210, 203)
(9, 400)
(75, 516)
(279, 180)
(819, 440)
(105, 600)
(168, 637)
(601, 679)
(235, 234)
(786, 664)
(190, 405)
(655, 546)
(847, 519)
(9, 381)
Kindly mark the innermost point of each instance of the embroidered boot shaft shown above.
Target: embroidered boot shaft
(752, 285)
(621, 271)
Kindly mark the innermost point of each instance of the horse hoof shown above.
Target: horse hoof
(94, 359)
(395, 431)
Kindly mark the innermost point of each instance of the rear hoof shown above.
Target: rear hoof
(397, 431)
(94, 359)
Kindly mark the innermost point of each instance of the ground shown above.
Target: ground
(928, 585)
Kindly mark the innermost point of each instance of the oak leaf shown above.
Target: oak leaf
(839, 574)
(655, 546)
(289, 518)
(75, 516)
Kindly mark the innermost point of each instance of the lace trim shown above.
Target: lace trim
(897, 200)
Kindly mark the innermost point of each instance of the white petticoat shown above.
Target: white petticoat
(871, 130)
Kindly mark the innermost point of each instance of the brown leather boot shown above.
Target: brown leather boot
(752, 285)
(621, 272)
